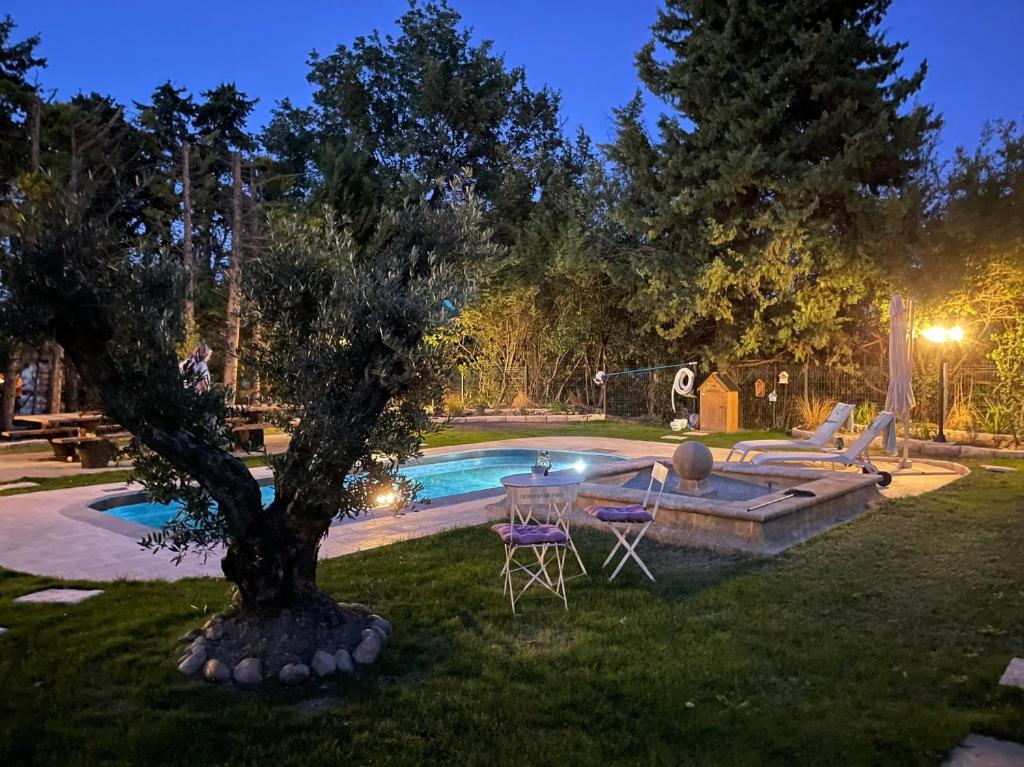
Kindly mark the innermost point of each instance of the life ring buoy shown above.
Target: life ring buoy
(682, 385)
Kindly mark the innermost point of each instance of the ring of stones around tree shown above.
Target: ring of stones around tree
(223, 651)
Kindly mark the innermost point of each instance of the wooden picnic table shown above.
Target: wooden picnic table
(255, 413)
(57, 420)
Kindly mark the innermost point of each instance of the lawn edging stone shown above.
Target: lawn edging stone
(58, 596)
(1014, 674)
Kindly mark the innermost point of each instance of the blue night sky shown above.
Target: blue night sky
(583, 48)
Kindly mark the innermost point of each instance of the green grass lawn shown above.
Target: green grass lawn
(879, 643)
(455, 435)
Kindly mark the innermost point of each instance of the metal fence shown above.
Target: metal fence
(970, 392)
(646, 393)
(519, 387)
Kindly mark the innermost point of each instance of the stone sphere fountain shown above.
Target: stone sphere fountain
(693, 464)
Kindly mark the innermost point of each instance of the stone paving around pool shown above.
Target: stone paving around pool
(55, 534)
(981, 751)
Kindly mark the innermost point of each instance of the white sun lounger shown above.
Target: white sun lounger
(817, 441)
(855, 455)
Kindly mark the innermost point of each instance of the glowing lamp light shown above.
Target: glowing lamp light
(940, 335)
(579, 465)
(386, 499)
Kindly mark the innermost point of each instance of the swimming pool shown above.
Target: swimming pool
(441, 475)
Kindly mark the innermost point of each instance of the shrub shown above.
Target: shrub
(521, 401)
(962, 416)
(811, 412)
(454, 404)
(996, 418)
(865, 413)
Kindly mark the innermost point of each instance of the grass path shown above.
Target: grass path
(879, 643)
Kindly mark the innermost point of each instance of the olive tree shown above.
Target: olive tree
(353, 346)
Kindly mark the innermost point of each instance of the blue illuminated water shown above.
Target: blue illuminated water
(450, 474)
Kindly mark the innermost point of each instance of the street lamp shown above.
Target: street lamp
(941, 336)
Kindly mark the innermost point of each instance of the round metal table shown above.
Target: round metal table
(547, 499)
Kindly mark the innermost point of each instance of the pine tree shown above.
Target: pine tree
(782, 175)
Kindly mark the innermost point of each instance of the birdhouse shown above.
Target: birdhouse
(760, 389)
(719, 404)
(783, 377)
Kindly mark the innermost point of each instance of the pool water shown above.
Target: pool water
(443, 475)
(724, 488)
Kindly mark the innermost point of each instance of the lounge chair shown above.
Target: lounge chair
(854, 455)
(817, 441)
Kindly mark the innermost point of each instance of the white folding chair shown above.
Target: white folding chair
(547, 543)
(621, 520)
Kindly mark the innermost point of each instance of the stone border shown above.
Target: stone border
(515, 418)
(93, 512)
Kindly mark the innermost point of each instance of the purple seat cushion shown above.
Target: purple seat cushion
(530, 535)
(620, 513)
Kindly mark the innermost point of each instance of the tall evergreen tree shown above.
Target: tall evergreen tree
(414, 108)
(17, 96)
(779, 182)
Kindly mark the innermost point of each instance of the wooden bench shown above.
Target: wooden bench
(38, 433)
(250, 435)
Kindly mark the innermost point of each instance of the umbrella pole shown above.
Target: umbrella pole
(905, 462)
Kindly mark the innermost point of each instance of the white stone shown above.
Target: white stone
(216, 670)
(191, 665)
(1014, 674)
(248, 671)
(59, 596)
(382, 623)
(323, 663)
(214, 632)
(368, 650)
(344, 662)
(3, 630)
(294, 673)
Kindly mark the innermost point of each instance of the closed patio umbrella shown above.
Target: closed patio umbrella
(900, 398)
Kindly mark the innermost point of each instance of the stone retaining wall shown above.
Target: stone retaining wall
(923, 447)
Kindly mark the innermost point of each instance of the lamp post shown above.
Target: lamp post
(940, 335)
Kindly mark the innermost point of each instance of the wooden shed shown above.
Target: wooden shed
(719, 404)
